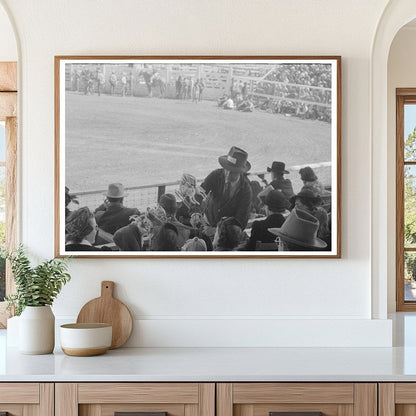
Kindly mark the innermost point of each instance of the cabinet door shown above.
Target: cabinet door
(26, 399)
(142, 399)
(397, 399)
(297, 399)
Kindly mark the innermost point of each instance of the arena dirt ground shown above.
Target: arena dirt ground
(143, 141)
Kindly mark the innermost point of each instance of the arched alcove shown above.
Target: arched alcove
(401, 74)
(396, 15)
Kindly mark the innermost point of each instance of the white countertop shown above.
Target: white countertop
(215, 364)
(222, 364)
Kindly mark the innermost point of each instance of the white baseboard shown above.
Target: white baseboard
(189, 332)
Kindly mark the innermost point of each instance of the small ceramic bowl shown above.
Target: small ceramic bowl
(83, 340)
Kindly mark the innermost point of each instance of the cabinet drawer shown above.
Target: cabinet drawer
(21, 399)
(270, 399)
(138, 393)
(147, 399)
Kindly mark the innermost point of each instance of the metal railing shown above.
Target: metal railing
(144, 196)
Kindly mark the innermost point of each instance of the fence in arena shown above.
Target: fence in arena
(217, 79)
(144, 196)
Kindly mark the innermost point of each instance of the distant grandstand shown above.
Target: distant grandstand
(290, 89)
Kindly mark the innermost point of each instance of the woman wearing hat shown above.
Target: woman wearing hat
(229, 189)
(80, 231)
(310, 180)
(310, 201)
(276, 205)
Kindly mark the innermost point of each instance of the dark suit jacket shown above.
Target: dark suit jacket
(114, 217)
(238, 206)
(259, 230)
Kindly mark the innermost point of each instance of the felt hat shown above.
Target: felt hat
(278, 167)
(307, 193)
(300, 228)
(307, 174)
(168, 203)
(195, 244)
(235, 161)
(115, 190)
(276, 201)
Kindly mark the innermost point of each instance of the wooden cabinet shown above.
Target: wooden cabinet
(27, 399)
(397, 399)
(208, 399)
(105, 399)
(261, 399)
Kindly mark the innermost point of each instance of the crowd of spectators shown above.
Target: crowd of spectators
(228, 212)
(302, 91)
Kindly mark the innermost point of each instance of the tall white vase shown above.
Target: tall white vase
(37, 330)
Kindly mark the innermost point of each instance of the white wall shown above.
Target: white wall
(401, 74)
(8, 46)
(212, 302)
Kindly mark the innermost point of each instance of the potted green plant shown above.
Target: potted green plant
(36, 289)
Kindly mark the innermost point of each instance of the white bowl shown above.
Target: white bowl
(84, 340)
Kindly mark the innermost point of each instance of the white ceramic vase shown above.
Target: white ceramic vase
(37, 330)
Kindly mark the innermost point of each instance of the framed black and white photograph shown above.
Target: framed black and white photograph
(198, 156)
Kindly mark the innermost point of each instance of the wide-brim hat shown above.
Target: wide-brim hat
(235, 161)
(300, 228)
(307, 193)
(115, 190)
(275, 200)
(278, 167)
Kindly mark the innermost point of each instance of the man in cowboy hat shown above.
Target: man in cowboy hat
(113, 215)
(276, 206)
(299, 233)
(278, 181)
(229, 190)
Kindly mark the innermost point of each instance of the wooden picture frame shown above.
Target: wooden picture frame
(175, 126)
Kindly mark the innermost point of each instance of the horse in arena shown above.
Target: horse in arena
(154, 80)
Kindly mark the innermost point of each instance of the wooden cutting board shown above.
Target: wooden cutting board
(107, 309)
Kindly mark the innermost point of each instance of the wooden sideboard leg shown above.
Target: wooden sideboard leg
(365, 399)
(66, 399)
(224, 399)
(47, 399)
(386, 399)
(207, 399)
